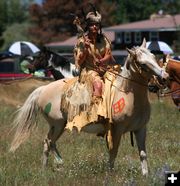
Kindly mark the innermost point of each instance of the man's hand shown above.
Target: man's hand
(87, 43)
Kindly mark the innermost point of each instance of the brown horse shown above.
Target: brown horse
(173, 68)
(130, 108)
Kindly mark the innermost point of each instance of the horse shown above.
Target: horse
(172, 67)
(130, 109)
(59, 66)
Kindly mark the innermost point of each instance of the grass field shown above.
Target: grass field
(85, 156)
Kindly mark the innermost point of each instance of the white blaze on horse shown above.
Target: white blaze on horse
(130, 108)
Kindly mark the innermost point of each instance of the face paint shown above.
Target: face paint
(47, 108)
(118, 106)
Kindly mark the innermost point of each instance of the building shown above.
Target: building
(159, 27)
(67, 46)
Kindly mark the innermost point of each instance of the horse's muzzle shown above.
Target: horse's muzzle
(164, 75)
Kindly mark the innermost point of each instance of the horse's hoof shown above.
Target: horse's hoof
(58, 168)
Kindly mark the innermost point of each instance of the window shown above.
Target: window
(119, 37)
(137, 37)
(127, 37)
(154, 36)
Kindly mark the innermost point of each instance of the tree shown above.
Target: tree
(52, 20)
(12, 12)
(130, 11)
(15, 32)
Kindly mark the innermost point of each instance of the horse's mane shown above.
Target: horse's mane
(59, 60)
(128, 60)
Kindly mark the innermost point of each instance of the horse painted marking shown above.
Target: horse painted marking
(118, 106)
(47, 108)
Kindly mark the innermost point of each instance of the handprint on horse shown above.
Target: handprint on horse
(129, 108)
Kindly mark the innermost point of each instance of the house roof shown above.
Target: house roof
(168, 23)
(72, 40)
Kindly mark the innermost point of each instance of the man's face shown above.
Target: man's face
(94, 27)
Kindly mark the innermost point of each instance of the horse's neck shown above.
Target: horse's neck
(130, 79)
(66, 73)
(173, 68)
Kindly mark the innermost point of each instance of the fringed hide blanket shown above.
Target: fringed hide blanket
(79, 104)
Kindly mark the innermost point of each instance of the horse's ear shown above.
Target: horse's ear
(131, 52)
(144, 43)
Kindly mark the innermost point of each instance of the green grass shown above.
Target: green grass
(85, 156)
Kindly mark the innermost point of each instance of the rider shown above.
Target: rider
(93, 52)
(26, 64)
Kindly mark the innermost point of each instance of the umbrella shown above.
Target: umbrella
(159, 47)
(23, 48)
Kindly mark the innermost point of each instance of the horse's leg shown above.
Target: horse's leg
(56, 129)
(46, 151)
(113, 143)
(57, 133)
(140, 139)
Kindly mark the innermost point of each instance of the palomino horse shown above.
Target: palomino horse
(130, 108)
(60, 66)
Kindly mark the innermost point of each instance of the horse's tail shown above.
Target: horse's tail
(25, 120)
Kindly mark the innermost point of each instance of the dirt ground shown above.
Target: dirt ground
(15, 92)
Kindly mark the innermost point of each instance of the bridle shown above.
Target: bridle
(138, 66)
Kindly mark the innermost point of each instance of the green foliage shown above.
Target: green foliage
(14, 32)
(12, 14)
(85, 156)
(130, 11)
(15, 12)
(12, 11)
(51, 21)
(3, 15)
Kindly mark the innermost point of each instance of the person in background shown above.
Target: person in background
(26, 65)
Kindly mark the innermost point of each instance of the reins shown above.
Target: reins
(106, 69)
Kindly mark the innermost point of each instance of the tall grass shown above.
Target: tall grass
(85, 156)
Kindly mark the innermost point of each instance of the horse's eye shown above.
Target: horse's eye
(143, 66)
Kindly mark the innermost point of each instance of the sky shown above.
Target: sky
(38, 1)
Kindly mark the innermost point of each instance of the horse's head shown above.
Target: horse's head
(143, 61)
(41, 60)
